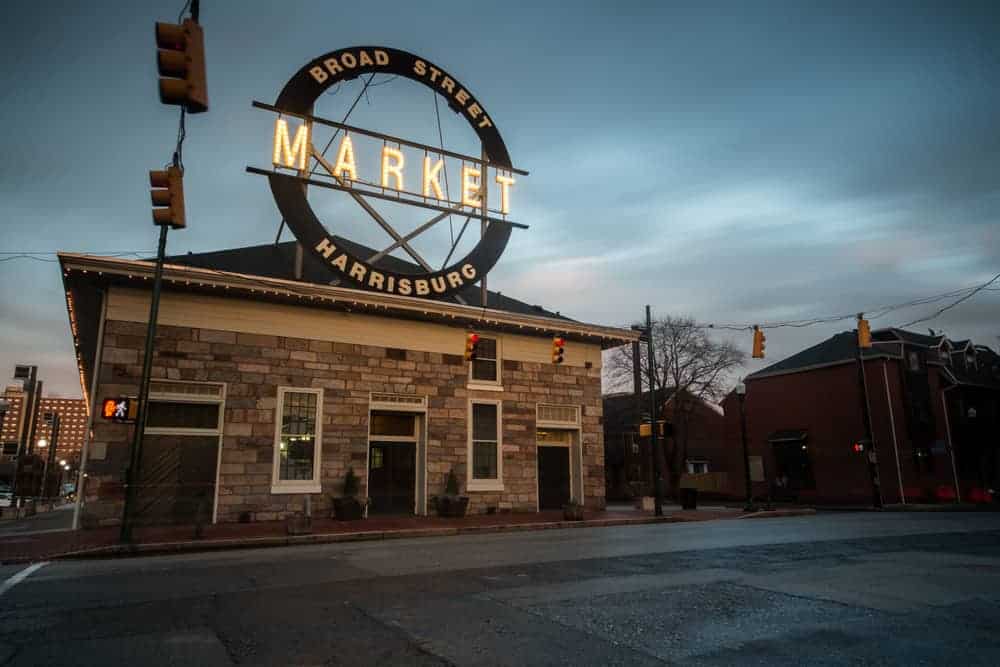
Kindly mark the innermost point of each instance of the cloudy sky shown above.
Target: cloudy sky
(736, 162)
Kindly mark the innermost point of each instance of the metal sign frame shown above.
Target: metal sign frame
(297, 99)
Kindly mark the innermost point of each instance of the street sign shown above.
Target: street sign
(122, 409)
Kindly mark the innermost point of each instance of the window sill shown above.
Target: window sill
(285, 488)
(484, 485)
(480, 386)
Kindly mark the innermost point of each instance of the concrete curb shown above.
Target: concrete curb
(163, 548)
(772, 514)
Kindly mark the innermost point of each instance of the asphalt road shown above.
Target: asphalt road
(834, 589)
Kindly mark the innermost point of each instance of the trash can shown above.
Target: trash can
(689, 499)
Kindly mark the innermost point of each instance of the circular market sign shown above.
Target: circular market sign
(487, 181)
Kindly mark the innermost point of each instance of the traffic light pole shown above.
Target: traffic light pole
(51, 458)
(867, 419)
(135, 455)
(651, 364)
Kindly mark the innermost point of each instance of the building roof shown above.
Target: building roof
(840, 348)
(621, 412)
(277, 260)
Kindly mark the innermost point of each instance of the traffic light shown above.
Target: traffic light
(181, 63)
(864, 332)
(471, 346)
(168, 196)
(860, 446)
(558, 349)
(758, 342)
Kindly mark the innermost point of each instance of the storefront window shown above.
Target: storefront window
(485, 427)
(485, 367)
(298, 437)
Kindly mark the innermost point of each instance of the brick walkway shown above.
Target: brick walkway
(172, 539)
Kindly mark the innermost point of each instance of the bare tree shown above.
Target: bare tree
(690, 368)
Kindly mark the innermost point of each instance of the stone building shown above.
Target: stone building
(269, 384)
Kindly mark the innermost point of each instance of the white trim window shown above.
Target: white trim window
(298, 438)
(485, 369)
(485, 459)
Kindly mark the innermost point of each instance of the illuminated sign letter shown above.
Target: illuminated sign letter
(345, 160)
(431, 178)
(470, 187)
(505, 183)
(395, 169)
(293, 155)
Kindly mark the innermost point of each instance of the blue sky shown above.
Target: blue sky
(736, 162)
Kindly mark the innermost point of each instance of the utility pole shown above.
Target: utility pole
(741, 391)
(651, 365)
(871, 455)
(135, 455)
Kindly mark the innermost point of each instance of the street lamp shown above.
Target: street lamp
(42, 443)
(741, 391)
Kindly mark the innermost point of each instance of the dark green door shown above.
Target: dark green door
(391, 477)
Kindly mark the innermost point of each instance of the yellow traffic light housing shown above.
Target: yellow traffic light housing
(558, 349)
(758, 342)
(864, 332)
(181, 63)
(471, 346)
(168, 197)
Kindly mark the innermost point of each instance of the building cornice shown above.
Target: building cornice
(260, 287)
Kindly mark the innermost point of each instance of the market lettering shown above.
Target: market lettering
(376, 280)
(290, 154)
(293, 153)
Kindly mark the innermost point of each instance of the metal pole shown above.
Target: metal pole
(50, 459)
(651, 365)
(867, 419)
(746, 454)
(135, 456)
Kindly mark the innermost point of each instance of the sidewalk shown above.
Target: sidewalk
(103, 542)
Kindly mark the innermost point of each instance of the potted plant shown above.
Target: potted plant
(451, 504)
(573, 511)
(348, 507)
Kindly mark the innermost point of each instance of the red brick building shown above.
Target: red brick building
(934, 410)
(269, 384)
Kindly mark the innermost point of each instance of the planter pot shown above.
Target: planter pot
(347, 509)
(573, 512)
(299, 524)
(452, 506)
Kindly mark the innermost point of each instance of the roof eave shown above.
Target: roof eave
(257, 286)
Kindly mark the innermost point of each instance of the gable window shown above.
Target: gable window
(485, 462)
(485, 368)
(914, 359)
(297, 441)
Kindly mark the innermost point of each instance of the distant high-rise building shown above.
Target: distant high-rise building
(72, 422)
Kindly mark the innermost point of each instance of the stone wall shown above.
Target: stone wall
(254, 366)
